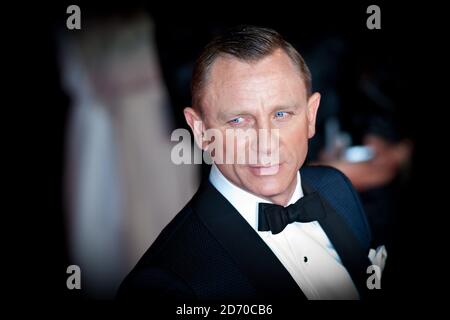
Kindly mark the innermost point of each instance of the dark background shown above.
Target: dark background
(403, 45)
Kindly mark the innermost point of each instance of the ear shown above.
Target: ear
(196, 124)
(313, 106)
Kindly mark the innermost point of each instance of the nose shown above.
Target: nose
(266, 144)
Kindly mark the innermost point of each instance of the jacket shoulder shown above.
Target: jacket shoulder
(337, 189)
(152, 277)
(172, 237)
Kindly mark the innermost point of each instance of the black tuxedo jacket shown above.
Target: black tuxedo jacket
(208, 252)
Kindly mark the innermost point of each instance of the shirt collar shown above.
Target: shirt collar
(243, 201)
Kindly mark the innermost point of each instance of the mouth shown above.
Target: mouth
(260, 170)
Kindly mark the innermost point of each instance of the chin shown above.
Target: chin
(270, 190)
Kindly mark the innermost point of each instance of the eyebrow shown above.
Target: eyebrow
(240, 112)
(234, 113)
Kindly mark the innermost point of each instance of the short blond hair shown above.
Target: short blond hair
(247, 43)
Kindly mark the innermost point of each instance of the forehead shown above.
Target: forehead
(271, 80)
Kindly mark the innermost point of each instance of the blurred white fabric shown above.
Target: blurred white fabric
(122, 187)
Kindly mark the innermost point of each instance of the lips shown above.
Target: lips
(265, 170)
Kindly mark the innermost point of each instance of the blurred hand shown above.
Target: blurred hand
(383, 168)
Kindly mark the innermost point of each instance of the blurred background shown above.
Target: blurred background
(116, 91)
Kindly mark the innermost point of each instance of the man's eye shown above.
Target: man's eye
(280, 114)
(236, 120)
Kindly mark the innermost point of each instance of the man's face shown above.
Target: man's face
(266, 94)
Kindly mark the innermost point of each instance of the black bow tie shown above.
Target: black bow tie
(275, 217)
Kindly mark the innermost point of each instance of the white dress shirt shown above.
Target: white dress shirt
(303, 248)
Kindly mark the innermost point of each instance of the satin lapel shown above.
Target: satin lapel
(248, 250)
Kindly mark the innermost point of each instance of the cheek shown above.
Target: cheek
(294, 141)
(232, 146)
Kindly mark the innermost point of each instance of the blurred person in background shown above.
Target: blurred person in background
(118, 166)
(360, 129)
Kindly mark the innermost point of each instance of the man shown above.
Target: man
(258, 231)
